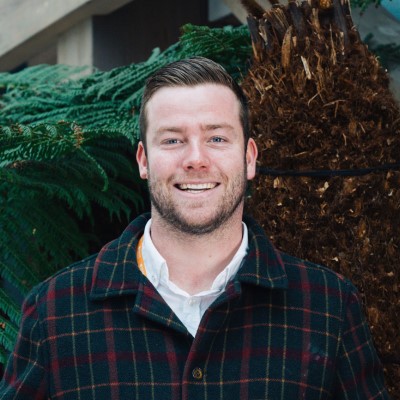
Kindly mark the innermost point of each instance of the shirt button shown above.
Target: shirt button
(197, 373)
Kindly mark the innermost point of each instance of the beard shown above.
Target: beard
(207, 222)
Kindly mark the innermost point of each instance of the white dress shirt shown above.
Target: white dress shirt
(188, 308)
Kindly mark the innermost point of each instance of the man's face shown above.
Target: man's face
(195, 159)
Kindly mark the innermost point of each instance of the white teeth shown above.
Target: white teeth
(196, 186)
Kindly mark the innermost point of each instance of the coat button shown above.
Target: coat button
(197, 373)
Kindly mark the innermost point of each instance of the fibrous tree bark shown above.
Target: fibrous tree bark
(328, 131)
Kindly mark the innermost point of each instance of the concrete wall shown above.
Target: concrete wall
(29, 26)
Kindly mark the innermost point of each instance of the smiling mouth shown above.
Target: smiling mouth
(196, 187)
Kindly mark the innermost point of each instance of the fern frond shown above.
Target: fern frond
(10, 308)
(41, 74)
(9, 333)
(44, 142)
(35, 244)
(8, 272)
(228, 46)
(112, 84)
(60, 171)
(3, 355)
(364, 4)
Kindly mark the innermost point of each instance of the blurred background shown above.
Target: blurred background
(107, 34)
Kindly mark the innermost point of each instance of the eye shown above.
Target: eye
(171, 141)
(217, 139)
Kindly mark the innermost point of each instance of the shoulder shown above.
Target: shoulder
(318, 284)
(107, 267)
(265, 260)
(75, 277)
(301, 270)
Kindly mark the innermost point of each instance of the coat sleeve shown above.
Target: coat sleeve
(359, 373)
(24, 376)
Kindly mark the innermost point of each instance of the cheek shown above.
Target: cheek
(161, 167)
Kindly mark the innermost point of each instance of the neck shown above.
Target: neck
(194, 261)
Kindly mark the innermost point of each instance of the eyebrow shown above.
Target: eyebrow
(215, 126)
(163, 129)
(205, 127)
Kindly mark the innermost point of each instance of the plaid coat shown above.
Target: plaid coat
(283, 329)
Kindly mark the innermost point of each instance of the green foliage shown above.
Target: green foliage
(66, 152)
(363, 4)
(51, 176)
(388, 54)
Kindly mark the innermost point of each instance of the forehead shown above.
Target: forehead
(209, 98)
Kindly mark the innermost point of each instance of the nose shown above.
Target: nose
(196, 157)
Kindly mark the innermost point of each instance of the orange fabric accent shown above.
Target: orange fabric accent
(139, 257)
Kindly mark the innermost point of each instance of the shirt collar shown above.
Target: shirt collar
(115, 270)
(157, 269)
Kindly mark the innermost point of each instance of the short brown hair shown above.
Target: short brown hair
(191, 72)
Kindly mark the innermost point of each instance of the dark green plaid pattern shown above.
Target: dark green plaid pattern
(284, 329)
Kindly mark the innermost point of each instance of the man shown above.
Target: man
(194, 303)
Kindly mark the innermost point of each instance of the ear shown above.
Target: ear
(251, 158)
(141, 160)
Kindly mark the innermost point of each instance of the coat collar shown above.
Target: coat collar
(263, 264)
(116, 272)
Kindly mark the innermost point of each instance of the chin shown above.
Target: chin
(200, 225)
